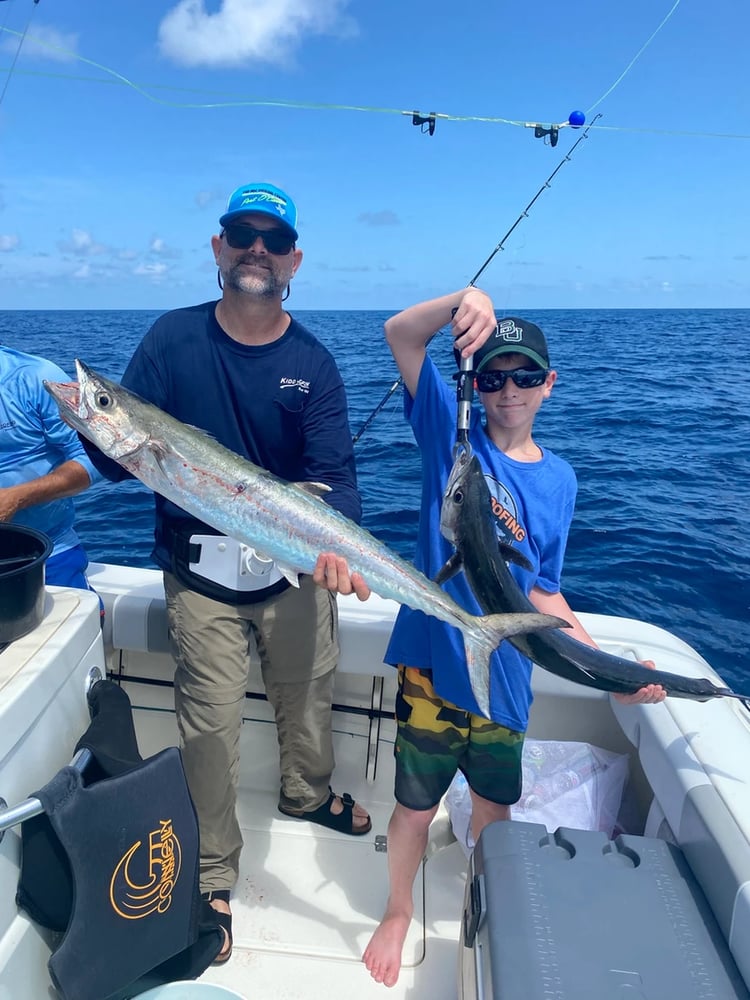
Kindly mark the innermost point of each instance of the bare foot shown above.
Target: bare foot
(382, 956)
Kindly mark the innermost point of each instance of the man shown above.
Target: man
(42, 464)
(245, 371)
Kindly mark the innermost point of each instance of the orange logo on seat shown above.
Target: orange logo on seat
(143, 880)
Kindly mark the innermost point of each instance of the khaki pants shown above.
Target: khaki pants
(296, 635)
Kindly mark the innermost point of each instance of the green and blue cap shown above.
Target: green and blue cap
(264, 199)
(513, 336)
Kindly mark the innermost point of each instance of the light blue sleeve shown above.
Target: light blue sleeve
(58, 435)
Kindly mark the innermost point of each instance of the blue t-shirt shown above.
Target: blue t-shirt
(281, 405)
(533, 504)
(34, 441)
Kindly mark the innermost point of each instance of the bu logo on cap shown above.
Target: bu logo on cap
(508, 331)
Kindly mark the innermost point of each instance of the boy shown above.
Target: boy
(439, 728)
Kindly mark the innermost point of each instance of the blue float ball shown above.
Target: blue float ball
(576, 118)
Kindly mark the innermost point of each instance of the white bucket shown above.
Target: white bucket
(190, 990)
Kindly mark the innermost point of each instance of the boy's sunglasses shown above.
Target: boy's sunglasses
(524, 378)
(276, 241)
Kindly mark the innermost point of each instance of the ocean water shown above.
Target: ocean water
(651, 407)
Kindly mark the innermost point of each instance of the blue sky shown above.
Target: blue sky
(125, 124)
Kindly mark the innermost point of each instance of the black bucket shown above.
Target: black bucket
(23, 553)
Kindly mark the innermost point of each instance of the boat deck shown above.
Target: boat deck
(309, 898)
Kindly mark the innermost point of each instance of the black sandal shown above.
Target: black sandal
(224, 921)
(342, 822)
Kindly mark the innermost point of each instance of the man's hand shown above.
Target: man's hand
(10, 502)
(332, 573)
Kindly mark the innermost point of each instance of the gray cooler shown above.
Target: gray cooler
(575, 916)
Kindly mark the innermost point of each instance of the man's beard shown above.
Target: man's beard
(263, 282)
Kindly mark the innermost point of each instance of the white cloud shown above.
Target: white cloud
(154, 271)
(45, 43)
(8, 242)
(82, 244)
(204, 198)
(161, 249)
(242, 32)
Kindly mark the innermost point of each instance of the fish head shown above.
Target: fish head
(462, 497)
(101, 410)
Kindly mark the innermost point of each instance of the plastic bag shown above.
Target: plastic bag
(564, 784)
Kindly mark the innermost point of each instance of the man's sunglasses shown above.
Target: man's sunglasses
(276, 241)
(524, 378)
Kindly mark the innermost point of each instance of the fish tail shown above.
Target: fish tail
(501, 627)
(483, 637)
(478, 651)
(723, 692)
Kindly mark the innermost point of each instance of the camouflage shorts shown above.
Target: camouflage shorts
(435, 739)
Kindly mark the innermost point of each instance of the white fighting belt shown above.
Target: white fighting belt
(232, 564)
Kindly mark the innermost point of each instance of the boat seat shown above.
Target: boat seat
(136, 621)
(112, 862)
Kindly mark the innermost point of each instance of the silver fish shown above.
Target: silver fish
(287, 522)
(466, 521)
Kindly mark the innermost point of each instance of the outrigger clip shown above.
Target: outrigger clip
(428, 120)
(553, 132)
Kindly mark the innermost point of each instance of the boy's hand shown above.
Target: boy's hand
(332, 573)
(650, 694)
(473, 321)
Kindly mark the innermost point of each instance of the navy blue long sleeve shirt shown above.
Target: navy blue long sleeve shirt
(281, 405)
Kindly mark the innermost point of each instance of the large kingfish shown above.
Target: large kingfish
(286, 522)
(466, 521)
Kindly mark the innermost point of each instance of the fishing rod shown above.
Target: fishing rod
(501, 246)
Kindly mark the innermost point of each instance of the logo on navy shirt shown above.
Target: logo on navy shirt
(295, 383)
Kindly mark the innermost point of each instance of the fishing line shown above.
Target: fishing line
(21, 37)
(635, 58)
(431, 118)
(245, 102)
(309, 106)
(500, 246)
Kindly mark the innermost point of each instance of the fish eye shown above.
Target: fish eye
(458, 496)
(103, 400)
